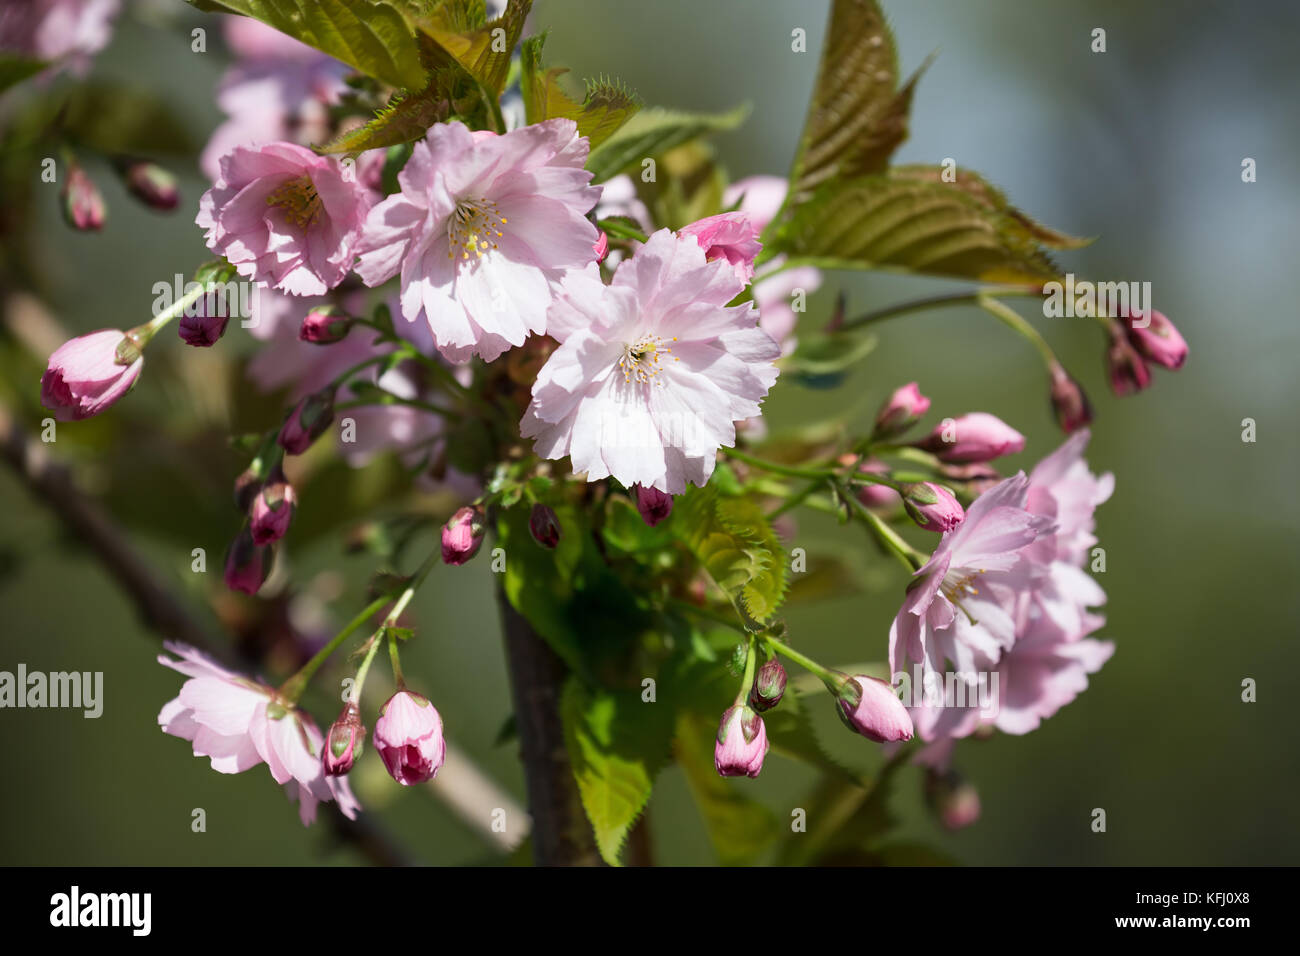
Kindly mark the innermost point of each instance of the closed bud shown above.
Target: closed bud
(206, 325)
(307, 422)
(903, 409)
(977, 436)
(247, 564)
(151, 184)
(952, 798)
(1126, 370)
(769, 686)
(601, 247)
(932, 506)
(544, 526)
(654, 505)
(272, 509)
(82, 204)
(344, 741)
(462, 535)
(1070, 404)
(325, 325)
(741, 744)
(869, 706)
(408, 736)
(1156, 339)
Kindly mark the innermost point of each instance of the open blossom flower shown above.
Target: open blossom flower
(285, 216)
(408, 736)
(483, 230)
(83, 377)
(741, 744)
(653, 371)
(53, 30)
(278, 90)
(730, 236)
(237, 723)
(961, 608)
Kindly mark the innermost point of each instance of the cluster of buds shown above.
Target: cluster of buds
(741, 744)
(1137, 339)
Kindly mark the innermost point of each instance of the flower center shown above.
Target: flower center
(299, 200)
(958, 585)
(642, 360)
(473, 227)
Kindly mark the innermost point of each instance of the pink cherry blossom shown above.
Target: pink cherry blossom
(730, 236)
(408, 737)
(741, 744)
(654, 369)
(83, 377)
(285, 216)
(70, 31)
(237, 723)
(483, 230)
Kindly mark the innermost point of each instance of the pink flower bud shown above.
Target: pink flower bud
(741, 744)
(873, 495)
(1127, 372)
(544, 526)
(83, 205)
(344, 741)
(978, 436)
(870, 707)
(932, 506)
(307, 422)
(83, 376)
(901, 411)
(653, 504)
(272, 509)
(601, 247)
(202, 325)
(769, 686)
(462, 535)
(151, 184)
(325, 325)
(408, 737)
(1069, 402)
(952, 797)
(247, 564)
(730, 236)
(1156, 339)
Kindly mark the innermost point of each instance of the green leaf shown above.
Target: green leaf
(406, 118)
(732, 539)
(14, 69)
(606, 106)
(857, 116)
(371, 36)
(844, 816)
(880, 222)
(992, 199)
(653, 132)
(617, 744)
(483, 49)
(739, 827)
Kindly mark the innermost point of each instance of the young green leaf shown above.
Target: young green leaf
(653, 132)
(606, 106)
(406, 118)
(882, 222)
(617, 744)
(372, 36)
(483, 49)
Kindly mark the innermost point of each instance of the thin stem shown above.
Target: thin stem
(292, 689)
(621, 230)
(414, 586)
(364, 669)
(747, 681)
(938, 301)
(776, 468)
(911, 558)
(366, 363)
(807, 663)
(1014, 321)
(396, 661)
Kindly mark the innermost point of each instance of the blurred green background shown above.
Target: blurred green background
(1140, 146)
